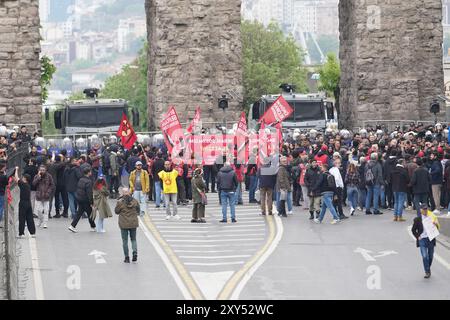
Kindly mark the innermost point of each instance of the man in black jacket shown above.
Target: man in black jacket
(420, 182)
(61, 191)
(158, 166)
(399, 180)
(422, 238)
(72, 175)
(312, 176)
(85, 199)
(327, 186)
(227, 183)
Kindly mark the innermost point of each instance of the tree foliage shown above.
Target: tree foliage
(47, 71)
(131, 84)
(269, 59)
(330, 74)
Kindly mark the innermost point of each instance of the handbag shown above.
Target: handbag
(283, 195)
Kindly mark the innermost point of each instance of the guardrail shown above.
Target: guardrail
(391, 124)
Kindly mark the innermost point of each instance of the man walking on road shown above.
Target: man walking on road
(267, 179)
(128, 210)
(374, 179)
(85, 199)
(140, 186)
(399, 180)
(227, 183)
(43, 182)
(327, 186)
(423, 241)
(169, 180)
(420, 183)
(337, 202)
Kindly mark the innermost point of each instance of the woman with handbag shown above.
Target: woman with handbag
(101, 206)
(199, 199)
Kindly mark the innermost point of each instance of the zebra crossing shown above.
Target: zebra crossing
(212, 257)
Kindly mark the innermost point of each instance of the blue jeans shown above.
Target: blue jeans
(132, 233)
(399, 201)
(2, 207)
(239, 193)
(228, 198)
(427, 252)
(362, 197)
(288, 200)
(352, 196)
(373, 193)
(99, 224)
(327, 202)
(382, 196)
(141, 198)
(252, 188)
(158, 192)
(72, 204)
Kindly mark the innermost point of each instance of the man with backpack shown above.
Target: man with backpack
(327, 186)
(374, 179)
(295, 176)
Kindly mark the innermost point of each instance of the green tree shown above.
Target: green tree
(269, 59)
(47, 71)
(131, 84)
(330, 75)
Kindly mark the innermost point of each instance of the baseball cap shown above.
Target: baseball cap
(423, 206)
(138, 163)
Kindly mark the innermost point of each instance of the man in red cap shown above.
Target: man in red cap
(322, 157)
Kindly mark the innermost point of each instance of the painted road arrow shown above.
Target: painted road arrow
(365, 254)
(385, 253)
(98, 256)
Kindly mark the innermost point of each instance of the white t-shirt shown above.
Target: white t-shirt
(337, 177)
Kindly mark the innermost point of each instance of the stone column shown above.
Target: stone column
(20, 91)
(194, 57)
(391, 59)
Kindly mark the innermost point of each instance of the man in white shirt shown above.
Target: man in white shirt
(337, 202)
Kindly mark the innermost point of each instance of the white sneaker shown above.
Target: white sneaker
(21, 237)
(335, 221)
(436, 212)
(317, 221)
(102, 231)
(33, 236)
(93, 230)
(44, 226)
(290, 213)
(352, 211)
(177, 217)
(448, 214)
(167, 217)
(73, 229)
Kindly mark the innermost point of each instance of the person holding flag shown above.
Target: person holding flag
(126, 133)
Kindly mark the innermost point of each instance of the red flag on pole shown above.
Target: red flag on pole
(172, 130)
(241, 139)
(278, 112)
(196, 121)
(126, 133)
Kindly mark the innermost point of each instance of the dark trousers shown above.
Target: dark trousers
(198, 211)
(282, 208)
(61, 190)
(83, 207)
(389, 196)
(337, 201)
(151, 191)
(210, 175)
(297, 193)
(26, 215)
(181, 190)
(418, 199)
(188, 186)
(431, 199)
(114, 184)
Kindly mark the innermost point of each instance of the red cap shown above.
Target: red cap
(440, 150)
(421, 154)
(324, 148)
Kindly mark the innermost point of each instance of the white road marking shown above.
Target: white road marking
(237, 291)
(166, 261)
(211, 283)
(221, 240)
(215, 236)
(216, 231)
(98, 256)
(213, 264)
(215, 257)
(209, 251)
(38, 286)
(211, 245)
(437, 257)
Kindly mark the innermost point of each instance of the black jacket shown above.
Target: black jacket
(417, 230)
(84, 191)
(388, 168)
(72, 175)
(227, 179)
(312, 177)
(421, 180)
(399, 178)
(158, 166)
(322, 183)
(267, 177)
(32, 171)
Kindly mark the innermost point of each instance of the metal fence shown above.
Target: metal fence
(390, 125)
(9, 263)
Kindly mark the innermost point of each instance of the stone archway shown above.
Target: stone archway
(391, 57)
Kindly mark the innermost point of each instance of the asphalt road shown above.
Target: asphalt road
(256, 258)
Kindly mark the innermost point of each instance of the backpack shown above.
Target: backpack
(369, 177)
(331, 182)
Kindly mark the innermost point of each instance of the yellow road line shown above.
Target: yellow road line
(234, 281)
(182, 271)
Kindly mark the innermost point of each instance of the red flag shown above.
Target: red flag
(242, 125)
(278, 112)
(279, 127)
(126, 133)
(196, 121)
(241, 139)
(172, 130)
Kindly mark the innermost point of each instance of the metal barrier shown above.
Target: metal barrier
(390, 125)
(9, 265)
